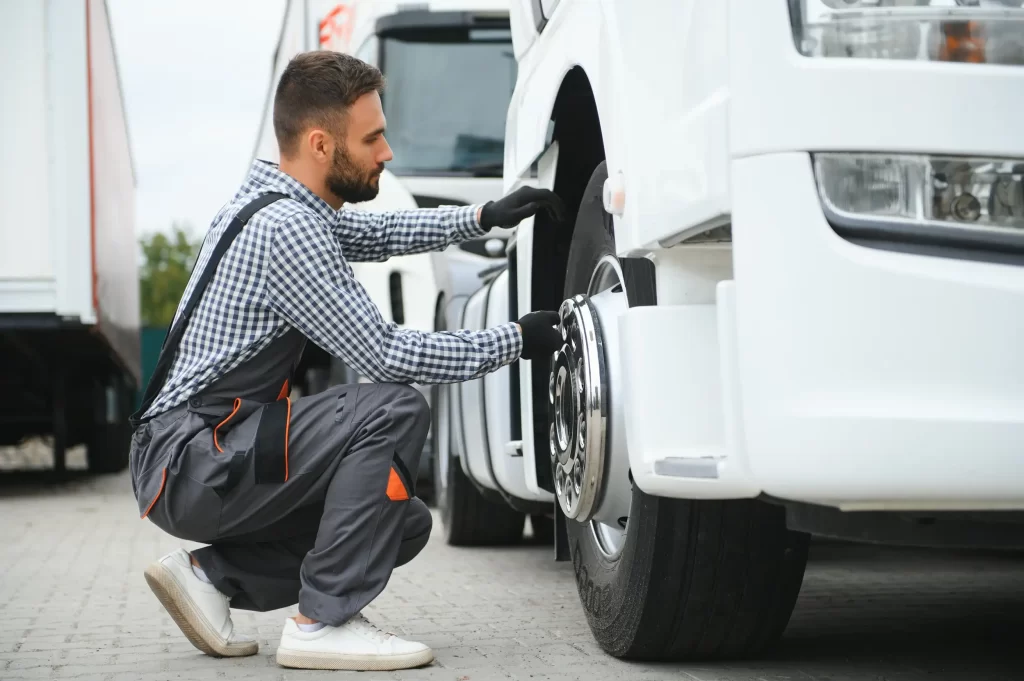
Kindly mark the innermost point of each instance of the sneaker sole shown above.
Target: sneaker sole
(188, 617)
(302, 659)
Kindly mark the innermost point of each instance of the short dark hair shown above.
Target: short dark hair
(317, 88)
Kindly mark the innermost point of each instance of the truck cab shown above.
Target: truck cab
(787, 290)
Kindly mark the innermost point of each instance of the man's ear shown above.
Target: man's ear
(319, 145)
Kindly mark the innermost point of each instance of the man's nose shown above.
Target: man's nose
(386, 155)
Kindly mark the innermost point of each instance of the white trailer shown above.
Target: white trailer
(790, 294)
(69, 290)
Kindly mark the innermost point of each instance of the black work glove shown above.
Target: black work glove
(510, 210)
(541, 337)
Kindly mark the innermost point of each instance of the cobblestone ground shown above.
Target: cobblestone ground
(74, 604)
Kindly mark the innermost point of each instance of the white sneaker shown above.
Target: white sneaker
(200, 611)
(356, 645)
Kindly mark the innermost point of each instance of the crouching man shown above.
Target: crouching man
(309, 501)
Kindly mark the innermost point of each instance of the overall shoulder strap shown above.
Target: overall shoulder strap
(173, 339)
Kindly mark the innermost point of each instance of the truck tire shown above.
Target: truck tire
(107, 448)
(467, 517)
(692, 579)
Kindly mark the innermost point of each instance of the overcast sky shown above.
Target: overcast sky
(195, 74)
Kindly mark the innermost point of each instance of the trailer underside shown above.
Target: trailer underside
(61, 379)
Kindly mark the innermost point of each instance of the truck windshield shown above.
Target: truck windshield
(446, 100)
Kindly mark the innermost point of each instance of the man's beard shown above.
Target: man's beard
(349, 183)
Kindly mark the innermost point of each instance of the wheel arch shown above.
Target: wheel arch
(578, 132)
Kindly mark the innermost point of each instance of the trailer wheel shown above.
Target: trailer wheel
(679, 579)
(108, 442)
(107, 448)
(469, 519)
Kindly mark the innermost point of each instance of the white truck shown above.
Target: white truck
(790, 294)
(69, 289)
(450, 73)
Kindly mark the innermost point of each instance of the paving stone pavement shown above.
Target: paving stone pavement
(74, 604)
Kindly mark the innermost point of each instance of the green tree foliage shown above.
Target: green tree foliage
(166, 266)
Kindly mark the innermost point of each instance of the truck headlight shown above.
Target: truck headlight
(966, 31)
(933, 192)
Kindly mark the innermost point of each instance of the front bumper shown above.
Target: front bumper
(830, 372)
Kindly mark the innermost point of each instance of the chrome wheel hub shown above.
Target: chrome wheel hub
(577, 410)
(587, 432)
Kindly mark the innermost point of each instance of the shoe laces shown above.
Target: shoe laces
(372, 630)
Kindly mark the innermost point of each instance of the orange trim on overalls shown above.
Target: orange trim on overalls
(287, 425)
(163, 480)
(238, 403)
(284, 390)
(396, 488)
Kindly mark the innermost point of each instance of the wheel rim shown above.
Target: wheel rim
(576, 408)
(579, 409)
(609, 539)
(608, 275)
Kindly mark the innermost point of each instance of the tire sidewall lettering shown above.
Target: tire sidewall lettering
(596, 599)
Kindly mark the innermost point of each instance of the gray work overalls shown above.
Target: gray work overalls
(308, 501)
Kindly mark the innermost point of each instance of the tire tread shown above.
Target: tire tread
(738, 582)
(476, 521)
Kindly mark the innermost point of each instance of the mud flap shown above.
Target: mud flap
(562, 553)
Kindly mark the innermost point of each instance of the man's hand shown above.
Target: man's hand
(541, 337)
(512, 209)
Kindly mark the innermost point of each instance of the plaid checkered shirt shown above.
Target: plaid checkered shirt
(288, 268)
